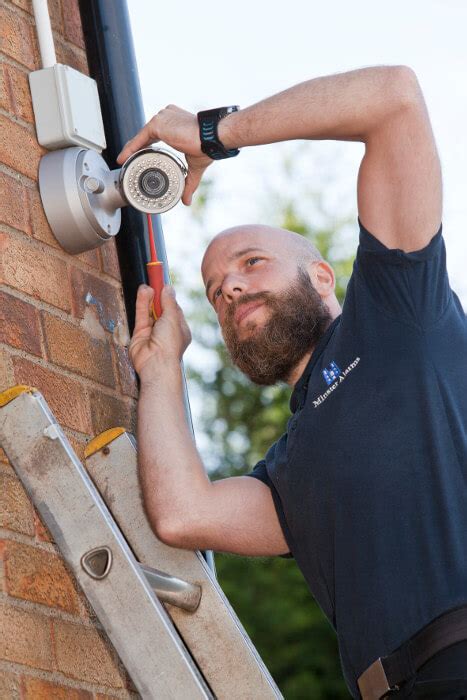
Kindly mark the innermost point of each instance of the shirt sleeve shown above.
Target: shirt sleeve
(410, 287)
(260, 472)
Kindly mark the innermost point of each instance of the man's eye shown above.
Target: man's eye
(217, 293)
(251, 261)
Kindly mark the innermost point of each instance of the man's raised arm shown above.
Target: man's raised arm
(399, 184)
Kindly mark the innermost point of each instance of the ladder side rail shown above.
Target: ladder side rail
(214, 634)
(136, 622)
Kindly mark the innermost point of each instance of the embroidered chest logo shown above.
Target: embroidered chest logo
(333, 377)
(330, 373)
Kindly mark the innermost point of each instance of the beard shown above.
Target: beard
(298, 318)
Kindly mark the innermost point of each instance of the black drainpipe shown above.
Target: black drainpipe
(112, 64)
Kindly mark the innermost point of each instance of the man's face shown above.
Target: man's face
(269, 312)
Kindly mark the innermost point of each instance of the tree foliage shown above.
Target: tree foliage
(241, 421)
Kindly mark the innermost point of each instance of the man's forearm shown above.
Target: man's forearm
(171, 473)
(347, 106)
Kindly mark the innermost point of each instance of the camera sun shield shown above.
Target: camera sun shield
(152, 180)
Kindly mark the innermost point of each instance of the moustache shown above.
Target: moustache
(266, 297)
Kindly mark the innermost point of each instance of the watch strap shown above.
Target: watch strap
(211, 145)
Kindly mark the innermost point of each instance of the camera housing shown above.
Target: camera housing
(152, 180)
(82, 197)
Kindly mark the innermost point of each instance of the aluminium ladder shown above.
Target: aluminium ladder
(175, 632)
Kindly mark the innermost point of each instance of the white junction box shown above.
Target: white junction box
(66, 108)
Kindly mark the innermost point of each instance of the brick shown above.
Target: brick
(20, 94)
(67, 398)
(9, 686)
(40, 576)
(110, 263)
(126, 373)
(38, 689)
(6, 370)
(109, 412)
(3, 588)
(17, 38)
(16, 511)
(4, 88)
(25, 638)
(42, 534)
(72, 23)
(91, 258)
(39, 274)
(38, 224)
(71, 347)
(71, 56)
(19, 148)
(19, 324)
(103, 296)
(54, 12)
(56, 15)
(13, 207)
(82, 653)
(24, 5)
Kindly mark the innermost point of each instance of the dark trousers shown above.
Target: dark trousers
(443, 677)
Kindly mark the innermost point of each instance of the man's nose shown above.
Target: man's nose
(232, 287)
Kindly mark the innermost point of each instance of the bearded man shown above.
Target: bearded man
(367, 488)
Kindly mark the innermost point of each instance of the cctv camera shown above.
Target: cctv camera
(152, 180)
(82, 197)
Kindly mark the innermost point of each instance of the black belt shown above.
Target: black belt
(387, 672)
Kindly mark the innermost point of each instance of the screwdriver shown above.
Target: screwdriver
(155, 270)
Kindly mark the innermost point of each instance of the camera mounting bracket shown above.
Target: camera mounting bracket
(72, 182)
(82, 197)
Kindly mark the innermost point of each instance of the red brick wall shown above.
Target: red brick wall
(51, 645)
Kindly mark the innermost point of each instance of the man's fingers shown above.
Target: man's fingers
(143, 138)
(168, 300)
(143, 319)
(191, 185)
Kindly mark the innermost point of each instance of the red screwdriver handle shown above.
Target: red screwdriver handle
(156, 281)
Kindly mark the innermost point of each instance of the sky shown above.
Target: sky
(204, 55)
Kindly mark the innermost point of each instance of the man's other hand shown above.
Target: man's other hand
(156, 344)
(179, 129)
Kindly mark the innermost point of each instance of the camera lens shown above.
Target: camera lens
(153, 183)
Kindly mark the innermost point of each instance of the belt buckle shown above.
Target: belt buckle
(373, 683)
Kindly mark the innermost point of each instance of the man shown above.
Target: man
(368, 486)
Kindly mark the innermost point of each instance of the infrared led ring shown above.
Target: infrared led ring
(152, 180)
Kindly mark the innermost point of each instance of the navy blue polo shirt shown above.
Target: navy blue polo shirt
(370, 479)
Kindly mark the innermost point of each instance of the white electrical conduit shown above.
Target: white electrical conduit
(44, 33)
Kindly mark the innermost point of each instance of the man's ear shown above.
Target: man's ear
(323, 278)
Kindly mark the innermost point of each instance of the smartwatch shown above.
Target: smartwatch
(210, 142)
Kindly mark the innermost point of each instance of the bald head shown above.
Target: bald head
(289, 245)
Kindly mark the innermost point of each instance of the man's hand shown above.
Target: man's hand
(154, 345)
(179, 129)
